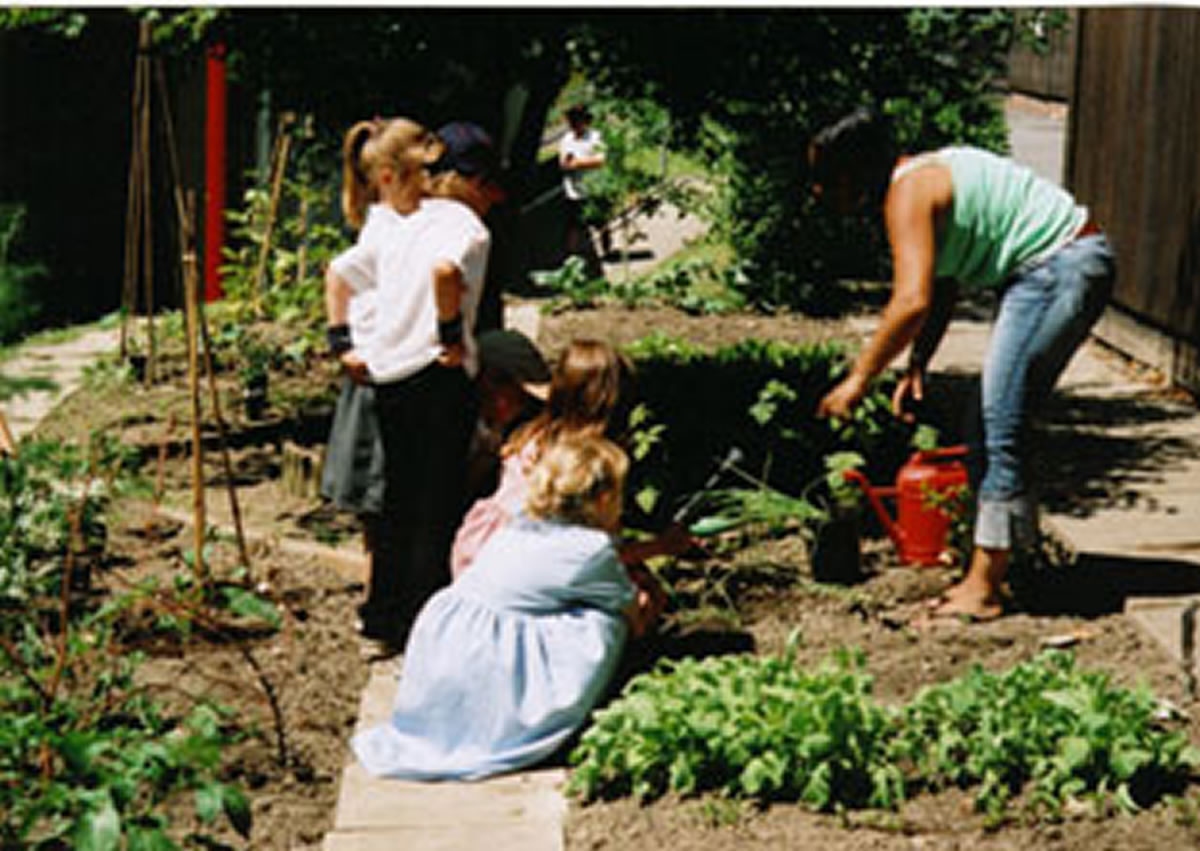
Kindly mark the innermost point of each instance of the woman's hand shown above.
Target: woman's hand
(355, 367)
(911, 386)
(843, 399)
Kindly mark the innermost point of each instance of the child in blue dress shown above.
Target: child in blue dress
(502, 666)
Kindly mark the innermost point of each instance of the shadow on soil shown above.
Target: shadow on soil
(1086, 464)
(1098, 584)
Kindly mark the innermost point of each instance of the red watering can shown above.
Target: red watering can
(920, 528)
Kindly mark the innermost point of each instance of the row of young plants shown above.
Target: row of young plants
(88, 758)
(765, 729)
(760, 397)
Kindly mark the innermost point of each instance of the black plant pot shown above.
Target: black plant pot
(254, 398)
(137, 365)
(835, 555)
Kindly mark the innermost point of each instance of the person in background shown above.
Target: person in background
(962, 216)
(579, 151)
(506, 663)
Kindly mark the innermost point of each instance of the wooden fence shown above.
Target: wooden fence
(1133, 156)
(1050, 74)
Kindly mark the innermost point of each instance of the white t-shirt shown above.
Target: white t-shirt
(587, 145)
(360, 309)
(394, 256)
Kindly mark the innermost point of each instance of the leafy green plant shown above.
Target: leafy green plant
(1070, 733)
(90, 761)
(752, 727)
(572, 284)
(19, 303)
(52, 499)
(760, 728)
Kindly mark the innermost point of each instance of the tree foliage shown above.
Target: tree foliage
(757, 84)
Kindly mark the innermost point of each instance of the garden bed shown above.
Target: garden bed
(729, 598)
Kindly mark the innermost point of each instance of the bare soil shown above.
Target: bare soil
(297, 690)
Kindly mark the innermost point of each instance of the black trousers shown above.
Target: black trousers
(425, 423)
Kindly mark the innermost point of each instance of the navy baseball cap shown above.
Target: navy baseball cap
(468, 150)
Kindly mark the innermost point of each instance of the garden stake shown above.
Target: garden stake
(733, 456)
(234, 509)
(189, 286)
(279, 162)
(147, 209)
(1188, 626)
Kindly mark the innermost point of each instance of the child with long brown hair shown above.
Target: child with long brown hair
(590, 387)
(589, 382)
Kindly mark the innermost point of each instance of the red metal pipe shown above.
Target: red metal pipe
(214, 170)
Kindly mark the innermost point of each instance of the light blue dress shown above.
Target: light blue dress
(505, 663)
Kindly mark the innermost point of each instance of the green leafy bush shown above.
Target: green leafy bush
(761, 396)
(19, 303)
(763, 729)
(752, 727)
(748, 89)
(52, 499)
(89, 761)
(1069, 732)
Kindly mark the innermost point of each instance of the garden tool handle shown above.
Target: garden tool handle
(733, 456)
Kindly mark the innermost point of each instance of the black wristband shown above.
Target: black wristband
(450, 331)
(338, 337)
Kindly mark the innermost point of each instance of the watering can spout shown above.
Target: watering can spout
(921, 526)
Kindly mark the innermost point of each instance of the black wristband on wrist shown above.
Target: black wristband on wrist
(338, 337)
(450, 331)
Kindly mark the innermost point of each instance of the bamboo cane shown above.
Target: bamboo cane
(147, 209)
(279, 162)
(189, 288)
(234, 508)
(132, 223)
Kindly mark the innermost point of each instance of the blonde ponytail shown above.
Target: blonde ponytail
(358, 186)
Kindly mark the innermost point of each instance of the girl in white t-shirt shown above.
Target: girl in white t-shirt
(425, 267)
(383, 169)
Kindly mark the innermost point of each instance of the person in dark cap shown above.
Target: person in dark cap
(513, 384)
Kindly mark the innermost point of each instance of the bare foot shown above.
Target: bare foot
(959, 606)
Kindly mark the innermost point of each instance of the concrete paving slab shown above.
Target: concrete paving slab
(62, 364)
(524, 836)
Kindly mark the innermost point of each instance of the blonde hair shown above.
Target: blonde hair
(571, 476)
(369, 146)
(589, 383)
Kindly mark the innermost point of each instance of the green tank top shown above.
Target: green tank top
(1004, 216)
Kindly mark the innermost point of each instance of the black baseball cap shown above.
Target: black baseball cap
(469, 150)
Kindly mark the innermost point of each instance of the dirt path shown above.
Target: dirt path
(46, 373)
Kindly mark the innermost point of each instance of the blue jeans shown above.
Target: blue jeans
(1045, 314)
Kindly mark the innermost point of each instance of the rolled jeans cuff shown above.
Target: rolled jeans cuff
(1006, 524)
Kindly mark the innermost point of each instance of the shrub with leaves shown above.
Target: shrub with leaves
(19, 303)
(1069, 732)
(88, 760)
(753, 727)
(52, 498)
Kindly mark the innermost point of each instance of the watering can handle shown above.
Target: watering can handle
(875, 496)
(940, 454)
